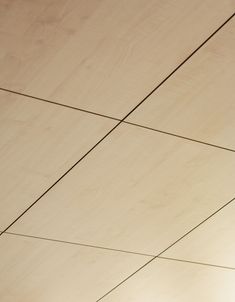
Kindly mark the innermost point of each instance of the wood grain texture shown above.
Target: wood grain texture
(198, 100)
(138, 191)
(38, 143)
(171, 281)
(104, 56)
(39, 270)
(212, 242)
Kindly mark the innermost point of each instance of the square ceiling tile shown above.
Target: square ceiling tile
(139, 191)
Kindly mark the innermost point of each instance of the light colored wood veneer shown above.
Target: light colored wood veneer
(38, 143)
(138, 191)
(100, 55)
(198, 100)
(213, 242)
(172, 281)
(38, 270)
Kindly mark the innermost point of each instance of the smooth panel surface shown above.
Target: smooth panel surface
(171, 281)
(46, 271)
(138, 191)
(104, 56)
(198, 100)
(213, 242)
(38, 143)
